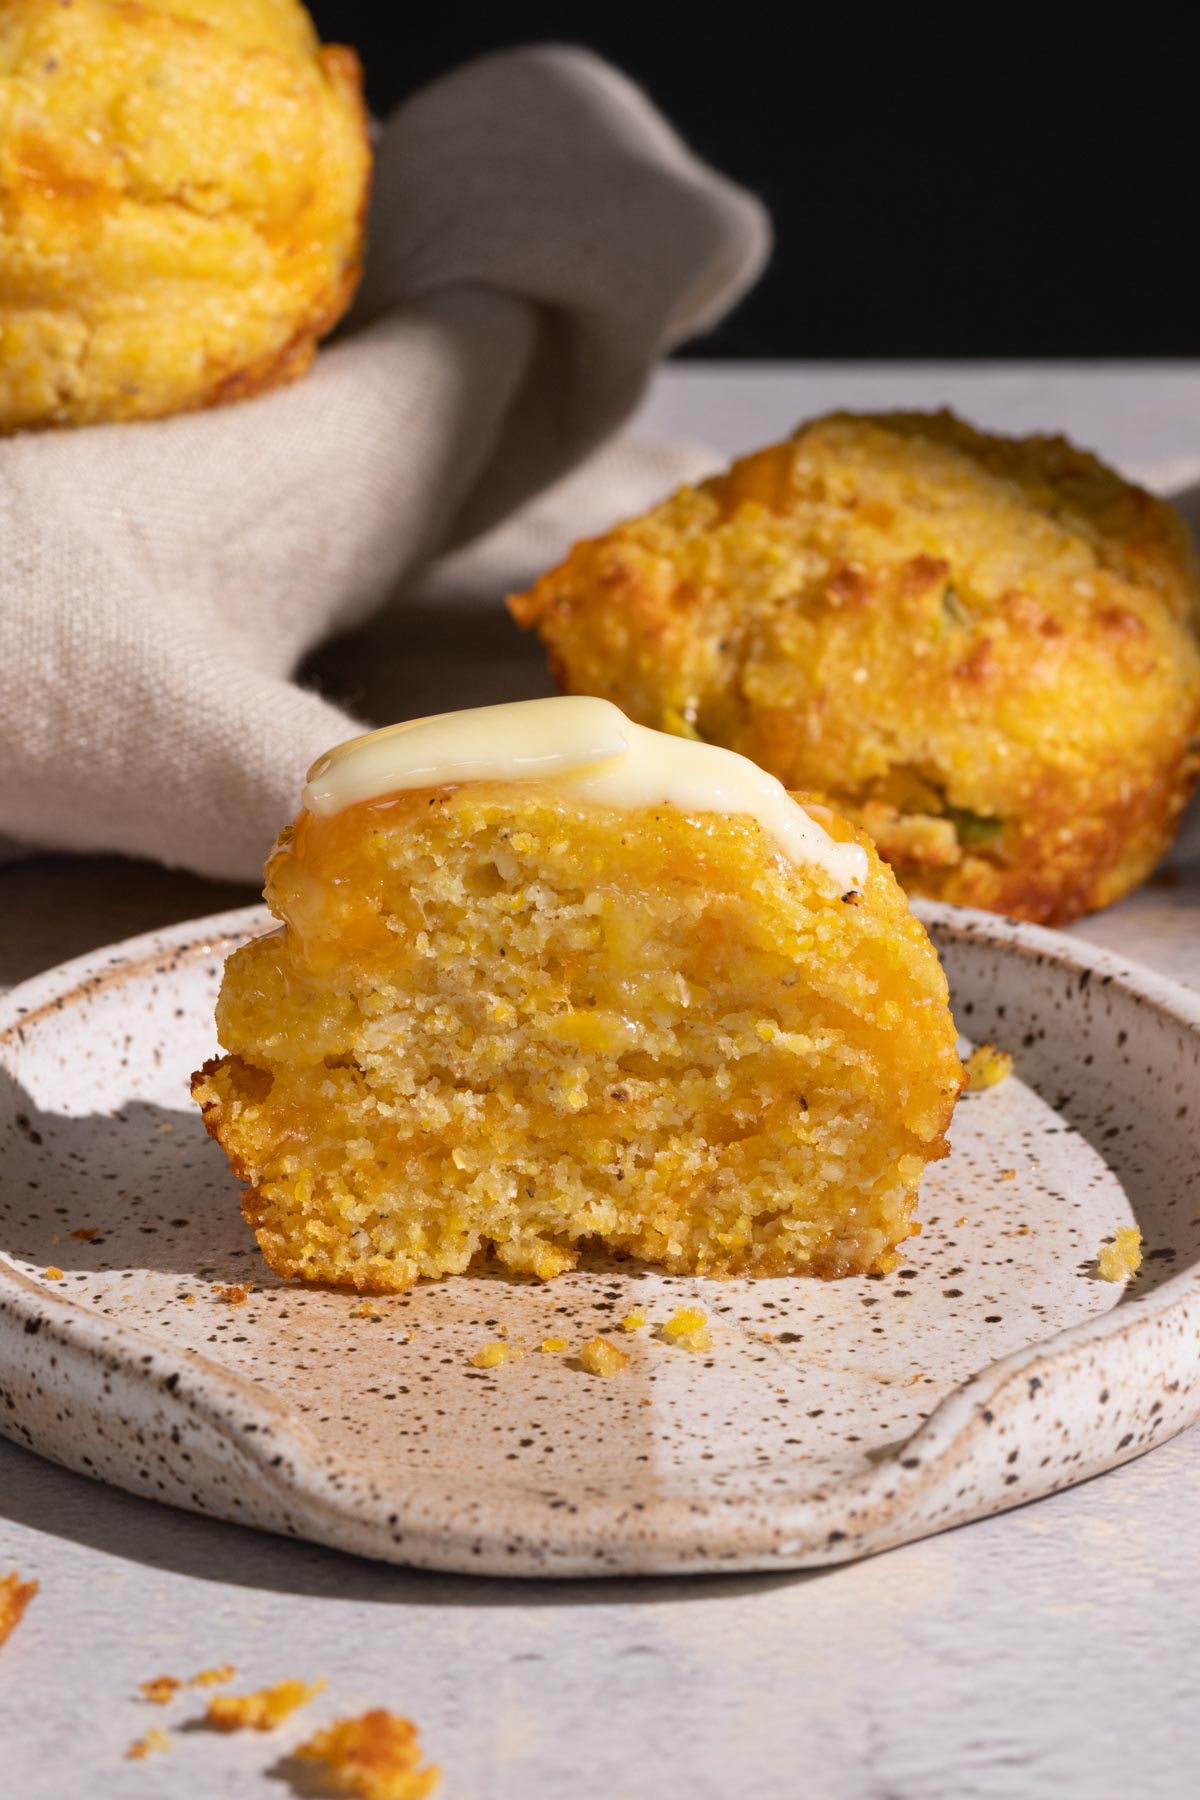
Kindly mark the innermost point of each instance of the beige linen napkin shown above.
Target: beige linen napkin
(538, 237)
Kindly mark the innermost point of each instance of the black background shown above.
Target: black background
(945, 182)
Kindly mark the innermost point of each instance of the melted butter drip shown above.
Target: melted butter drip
(593, 754)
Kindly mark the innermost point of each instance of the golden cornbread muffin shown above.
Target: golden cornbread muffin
(981, 649)
(573, 996)
(182, 192)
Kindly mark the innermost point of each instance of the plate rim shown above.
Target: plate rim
(206, 1385)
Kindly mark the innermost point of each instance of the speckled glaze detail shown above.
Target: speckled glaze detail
(828, 1420)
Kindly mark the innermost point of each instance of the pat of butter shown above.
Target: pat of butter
(593, 754)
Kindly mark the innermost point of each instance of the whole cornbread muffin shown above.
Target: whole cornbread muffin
(981, 649)
(182, 192)
(547, 980)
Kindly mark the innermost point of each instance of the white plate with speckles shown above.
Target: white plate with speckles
(829, 1420)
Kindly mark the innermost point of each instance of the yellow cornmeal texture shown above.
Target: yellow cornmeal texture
(495, 1020)
(182, 190)
(987, 1067)
(688, 1329)
(1121, 1260)
(982, 649)
(599, 1357)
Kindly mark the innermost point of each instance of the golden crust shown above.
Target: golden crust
(182, 195)
(497, 1023)
(982, 649)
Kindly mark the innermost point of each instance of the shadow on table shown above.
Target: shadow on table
(44, 1498)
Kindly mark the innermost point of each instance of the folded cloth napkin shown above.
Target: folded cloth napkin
(538, 237)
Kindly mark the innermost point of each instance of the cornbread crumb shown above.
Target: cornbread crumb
(635, 1320)
(1008, 1174)
(263, 1710)
(1120, 1260)
(687, 1328)
(54, 1273)
(374, 1757)
(162, 1690)
(189, 1299)
(599, 1357)
(15, 1596)
(366, 1310)
(552, 1345)
(491, 1356)
(237, 1293)
(141, 1747)
(987, 1067)
(213, 1677)
(85, 1233)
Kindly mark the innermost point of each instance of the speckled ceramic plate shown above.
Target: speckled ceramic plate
(828, 1420)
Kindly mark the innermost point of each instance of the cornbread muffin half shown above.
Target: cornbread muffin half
(546, 980)
(182, 191)
(982, 649)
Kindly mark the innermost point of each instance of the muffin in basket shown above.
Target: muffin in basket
(182, 192)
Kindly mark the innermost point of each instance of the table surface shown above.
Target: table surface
(1048, 1651)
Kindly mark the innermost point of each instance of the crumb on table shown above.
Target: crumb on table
(260, 1711)
(161, 1690)
(213, 1677)
(85, 1233)
(141, 1747)
(376, 1756)
(54, 1273)
(1122, 1258)
(15, 1596)
(599, 1357)
(987, 1067)
(687, 1329)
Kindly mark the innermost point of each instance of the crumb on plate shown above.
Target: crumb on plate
(491, 1356)
(237, 1292)
(1121, 1259)
(987, 1067)
(54, 1273)
(552, 1345)
(599, 1357)
(85, 1233)
(687, 1328)
(15, 1596)
(260, 1711)
(635, 1320)
(376, 1756)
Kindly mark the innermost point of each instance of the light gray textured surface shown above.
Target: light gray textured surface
(1047, 1652)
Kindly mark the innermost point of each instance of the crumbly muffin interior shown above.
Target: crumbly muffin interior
(494, 1021)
